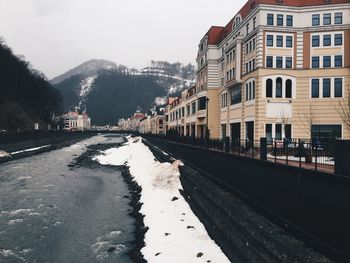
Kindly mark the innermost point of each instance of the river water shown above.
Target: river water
(51, 212)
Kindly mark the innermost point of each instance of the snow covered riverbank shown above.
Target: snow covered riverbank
(175, 234)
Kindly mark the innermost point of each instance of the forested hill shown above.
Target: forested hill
(26, 96)
(109, 91)
(111, 94)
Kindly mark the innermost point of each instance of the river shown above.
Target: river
(51, 211)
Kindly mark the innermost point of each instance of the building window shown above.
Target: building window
(279, 88)
(270, 18)
(289, 41)
(236, 95)
(279, 62)
(223, 100)
(315, 88)
(278, 131)
(338, 87)
(327, 40)
(338, 39)
(250, 91)
(247, 26)
(327, 19)
(193, 105)
(315, 41)
(338, 61)
(253, 90)
(246, 91)
(326, 131)
(223, 131)
(315, 62)
(254, 22)
(202, 103)
(288, 131)
(254, 43)
(279, 41)
(316, 20)
(269, 88)
(289, 62)
(288, 88)
(338, 18)
(279, 20)
(327, 61)
(269, 62)
(268, 132)
(269, 40)
(326, 88)
(289, 20)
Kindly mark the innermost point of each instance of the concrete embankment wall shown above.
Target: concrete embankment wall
(51, 141)
(311, 206)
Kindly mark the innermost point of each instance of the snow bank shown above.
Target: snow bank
(4, 154)
(31, 149)
(175, 234)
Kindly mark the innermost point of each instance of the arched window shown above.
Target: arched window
(246, 91)
(250, 90)
(253, 90)
(238, 21)
(269, 88)
(289, 92)
(279, 88)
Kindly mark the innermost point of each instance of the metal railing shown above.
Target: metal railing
(304, 153)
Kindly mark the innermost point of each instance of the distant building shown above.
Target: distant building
(157, 120)
(76, 121)
(124, 124)
(132, 123)
(145, 125)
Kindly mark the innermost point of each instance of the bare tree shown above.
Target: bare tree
(344, 109)
(285, 119)
(307, 119)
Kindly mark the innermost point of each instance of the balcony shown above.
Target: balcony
(232, 82)
(201, 114)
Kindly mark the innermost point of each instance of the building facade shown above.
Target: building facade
(76, 121)
(157, 120)
(278, 69)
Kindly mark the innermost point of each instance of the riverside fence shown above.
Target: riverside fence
(303, 153)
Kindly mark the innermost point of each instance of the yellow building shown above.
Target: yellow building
(278, 69)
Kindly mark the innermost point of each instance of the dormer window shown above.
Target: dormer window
(238, 21)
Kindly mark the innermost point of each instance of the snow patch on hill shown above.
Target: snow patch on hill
(86, 86)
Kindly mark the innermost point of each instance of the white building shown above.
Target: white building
(75, 121)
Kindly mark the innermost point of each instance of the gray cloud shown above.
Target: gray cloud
(56, 35)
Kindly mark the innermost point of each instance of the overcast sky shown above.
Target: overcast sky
(57, 35)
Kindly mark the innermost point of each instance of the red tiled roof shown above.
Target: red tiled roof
(301, 3)
(217, 34)
(214, 35)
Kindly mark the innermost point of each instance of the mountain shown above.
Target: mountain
(109, 91)
(89, 68)
(26, 96)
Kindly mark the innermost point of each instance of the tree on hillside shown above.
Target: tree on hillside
(26, 90)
